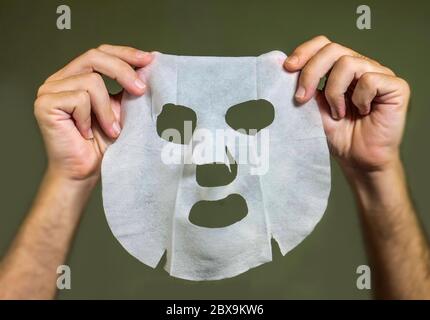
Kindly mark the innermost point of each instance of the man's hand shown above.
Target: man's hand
(77, 116)
(363, 109)
(78, 119)
(363, 105)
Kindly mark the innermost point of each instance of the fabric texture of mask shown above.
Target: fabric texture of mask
(148, 201)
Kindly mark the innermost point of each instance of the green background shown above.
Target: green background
(324, 265)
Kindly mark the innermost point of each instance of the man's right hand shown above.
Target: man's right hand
(77, 116)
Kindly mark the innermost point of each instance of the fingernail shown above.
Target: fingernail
(300, 93)
(90, 134)
(293, 60)
(334, 113)
(139, 83)
(116, 128)
(141, 54)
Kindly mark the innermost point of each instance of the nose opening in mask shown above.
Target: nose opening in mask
(217, 174)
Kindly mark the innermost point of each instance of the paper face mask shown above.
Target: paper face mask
(154, 186)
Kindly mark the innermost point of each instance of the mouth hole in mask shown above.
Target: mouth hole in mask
(219, 213)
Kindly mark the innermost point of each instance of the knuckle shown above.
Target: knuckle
(92, 54)
(39, 105)
(104, 47)
(50, 78)
(123, 67)
(322, 38)
(367, 80)
(405, 86)
(82, 97)
(404, 83)
(345, 62)
(333, 46)
(389, 71)
(126, 71)
(95, 78)
(41, 90)
(370, 60)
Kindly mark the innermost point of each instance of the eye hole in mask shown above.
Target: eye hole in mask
(176, 123)
(251, 116)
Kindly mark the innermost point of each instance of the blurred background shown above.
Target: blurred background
(324, 265)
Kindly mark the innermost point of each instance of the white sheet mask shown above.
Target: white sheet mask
(148, 201)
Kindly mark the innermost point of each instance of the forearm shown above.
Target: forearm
(29, 269)
(397, 247)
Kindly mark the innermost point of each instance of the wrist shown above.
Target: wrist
(372, 173)
(382, 189)
(72, 193)
(62, 179)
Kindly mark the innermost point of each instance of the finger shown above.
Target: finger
(317, 67)
(103, 141)
(75, 104)
(130, 55)
(99, 98)
(304, 52)
(109, 65)
(346, 70)
(372, 85)
(330, 125)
